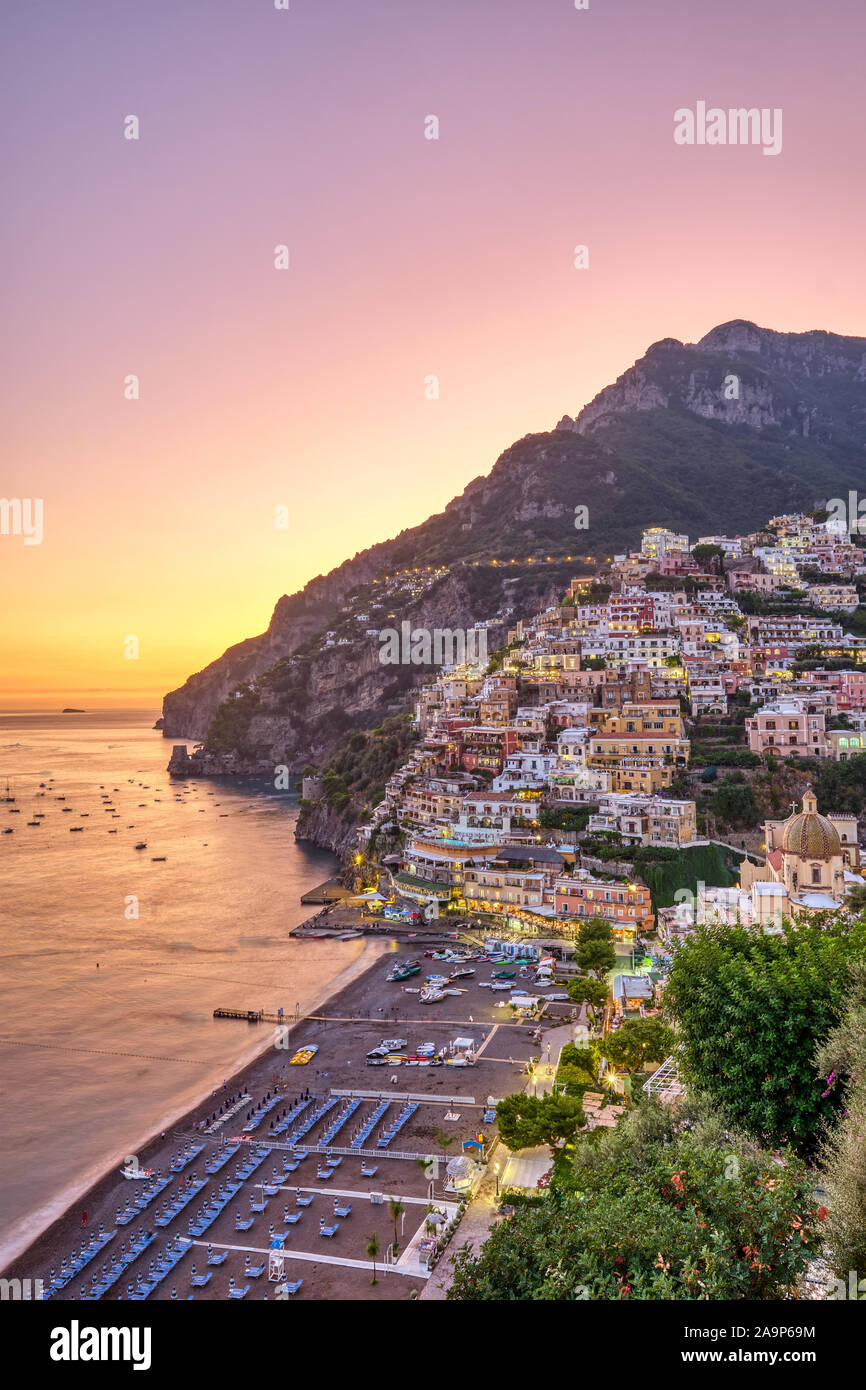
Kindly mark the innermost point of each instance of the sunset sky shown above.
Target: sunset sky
(408, 257)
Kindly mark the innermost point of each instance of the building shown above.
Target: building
(626, 906)
(657, 541)
(790, 728)
(813, 858)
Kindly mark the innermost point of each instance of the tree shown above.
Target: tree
(752, 1009)
(855, 898)
(734, 802)
(372, 1252)
(583, 990)
(668, 1205)
(841, 1062)
(638, 1041)
(595, 953)
(527, 1121)
(396, 1208)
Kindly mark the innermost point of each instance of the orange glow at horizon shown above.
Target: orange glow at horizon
(305, 388)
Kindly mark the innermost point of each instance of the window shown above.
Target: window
(816, 873)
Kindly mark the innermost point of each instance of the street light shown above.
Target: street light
(496, 1171)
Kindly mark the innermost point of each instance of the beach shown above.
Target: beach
(344, 1024)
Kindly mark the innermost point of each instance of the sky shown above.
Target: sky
(408, 257)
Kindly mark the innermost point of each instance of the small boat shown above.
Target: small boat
(504, 974)
(73, 828)
(462, 974)
(304, 1055)
(405, 971)
(142, 844)
(10, 831)
(8, 796)
(132, 1170)
(158, 859)
(430, 996)
(34, 822)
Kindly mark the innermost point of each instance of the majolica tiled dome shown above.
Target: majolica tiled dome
(811, 836)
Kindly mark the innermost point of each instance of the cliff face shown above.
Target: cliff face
(782, 381)
(323, 826)
(665, 444)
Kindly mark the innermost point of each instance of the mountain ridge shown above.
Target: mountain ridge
(661, 445)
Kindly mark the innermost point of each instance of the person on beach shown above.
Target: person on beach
(84, 1218)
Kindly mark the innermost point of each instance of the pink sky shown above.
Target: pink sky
(409, 257)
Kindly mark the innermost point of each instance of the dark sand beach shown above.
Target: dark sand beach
(347, 1024)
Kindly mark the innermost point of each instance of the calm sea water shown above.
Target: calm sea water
(106, 1027)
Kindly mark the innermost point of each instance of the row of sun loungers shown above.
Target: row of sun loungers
(226, 1113)
(119, 1265)
(172, 1209)
(369, 1125)
(143, 1199)
(318, 1114)
(282, 1125)
(343, 1118)
(261, 1110)
(183, 1159)
(158, 1271)
(220, 1159)
(394, 1128)
(77, 1263)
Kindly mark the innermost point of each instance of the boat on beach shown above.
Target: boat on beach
(404, 971)
(133, 1172)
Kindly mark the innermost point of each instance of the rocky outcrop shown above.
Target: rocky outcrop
(323, 826)
(741, 374)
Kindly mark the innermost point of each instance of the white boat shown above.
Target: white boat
(431, 996)
(133, 1171)
(501, 984)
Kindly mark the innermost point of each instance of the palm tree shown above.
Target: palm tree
(372, 1252)
(443, 1140)
(396, 1208)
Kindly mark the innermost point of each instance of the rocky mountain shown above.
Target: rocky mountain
(709, 437)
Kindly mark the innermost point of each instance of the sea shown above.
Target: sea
(115, 957)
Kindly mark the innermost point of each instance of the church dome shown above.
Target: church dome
(811, 836)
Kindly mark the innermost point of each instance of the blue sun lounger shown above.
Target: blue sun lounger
(243, 1225)
(295, 1216)
(292, 1287)
(217, 1259)
(254, 1271)
(324, 1173)
(198, 1281)
(369, 1170)
(303, 1201)
(327, 1230)
(239, 1293)
(343, 1211)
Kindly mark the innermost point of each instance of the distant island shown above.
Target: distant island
(73, 711)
